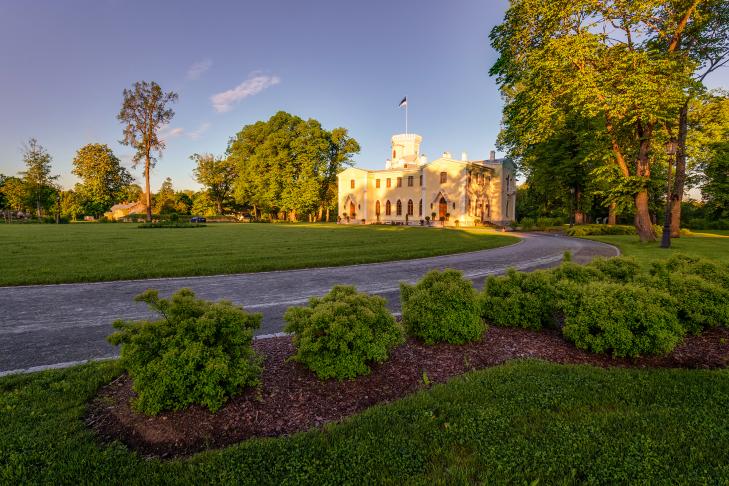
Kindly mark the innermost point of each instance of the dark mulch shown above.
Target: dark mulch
(292, 399)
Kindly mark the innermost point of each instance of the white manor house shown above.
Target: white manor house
(458, 192)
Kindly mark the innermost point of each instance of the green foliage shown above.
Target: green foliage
(171, 224)
(340, 334)
(618, 269)
(103, 178)
(599, 229)
(519, 299)
(623, 319)
(199, 352)
(442, 307)
(289, 164)
(217, 175)
(38, 182)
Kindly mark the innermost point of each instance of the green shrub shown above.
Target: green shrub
(710, 270)
(337, 335)
(623, 319)
(199, 352)
(574, 272)
(442, 307)
(171, 224)
(600, 229)
(700, 304)
(519, 299)
(617, 269)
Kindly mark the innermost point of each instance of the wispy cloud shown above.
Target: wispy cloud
(255, 83)
(167, 132)
(196, 134)
(198, 69)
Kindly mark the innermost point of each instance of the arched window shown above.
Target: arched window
(399, 208)
(377, 208)
(443, 177)
(388, 208)
(410, 207)
(420, 208)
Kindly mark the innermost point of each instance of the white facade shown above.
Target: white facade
(410, 189)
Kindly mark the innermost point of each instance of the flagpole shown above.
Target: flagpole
(406, 117)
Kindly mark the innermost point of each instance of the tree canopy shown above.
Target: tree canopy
(103, 178)
(288, 165)
(217, 175)
(37, 178)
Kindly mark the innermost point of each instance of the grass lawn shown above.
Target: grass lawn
(707, 244)
(47, 253)
(514, 423)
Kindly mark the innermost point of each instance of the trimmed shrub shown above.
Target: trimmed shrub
(199, 352)
(618, 269)
(442, 307)
(574, 272)
(518, 299)
(623, 319)
(700, 304)
(336, 336)
(710, 270)
(600, 229)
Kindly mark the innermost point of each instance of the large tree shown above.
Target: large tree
(217, 175)
(705, 41)
(601, 61)
(286, 164)
(144, 111)
(103, 178)
(37, 176)
(165, 200)
(15, 193)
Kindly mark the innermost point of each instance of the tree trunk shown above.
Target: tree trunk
(219, 203)
(680, 181)
(643, 223)
(327, 220)
(149, 192)
(612, 214)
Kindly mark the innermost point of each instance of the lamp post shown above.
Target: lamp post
(572, 212)
(671, 152)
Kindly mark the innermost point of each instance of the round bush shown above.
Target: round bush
(518, 299)
(623, 319)
(338, 335)
(199, 352)
(617, 269)
(442, 307)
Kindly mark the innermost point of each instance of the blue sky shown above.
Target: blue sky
(345, 63)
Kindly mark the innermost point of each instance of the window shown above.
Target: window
(388, 183)
(454, 205)
(377, 183)
(410, 207)
(410, 181)
(420, 208)
(351, 184)
(377, 207)
(394, 154)
(443, 177)
(399, 208)
(388, 207)
(421, 179)
(508, 187)
(399, 182)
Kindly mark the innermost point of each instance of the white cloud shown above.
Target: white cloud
(195, 134)
(198, 69)
(255, 83)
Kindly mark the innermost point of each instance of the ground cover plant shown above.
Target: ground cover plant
(493, 426)
(614, 305)
(340, 334)
(442, 307)
(199, 352)
(42, 254)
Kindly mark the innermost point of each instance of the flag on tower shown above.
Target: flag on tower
(404, 102)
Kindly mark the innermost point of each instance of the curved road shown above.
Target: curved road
(58, 325)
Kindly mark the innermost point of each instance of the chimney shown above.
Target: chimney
(464, 156)
(492, 155)
(446, 155)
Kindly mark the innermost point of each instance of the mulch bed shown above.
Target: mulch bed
(291, 399)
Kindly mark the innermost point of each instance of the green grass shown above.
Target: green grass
(515, 423)
(46, 253)
(706, 244)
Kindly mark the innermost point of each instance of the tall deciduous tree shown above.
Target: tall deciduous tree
(16, 193)
(144, 111)
(599, 60)
(37, 176)
(706, 42)
(217, 174)
(285, 164)
(103, 177)
(164, 200)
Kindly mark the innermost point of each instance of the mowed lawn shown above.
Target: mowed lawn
(524, 422)
(706, 244)
(47, 253)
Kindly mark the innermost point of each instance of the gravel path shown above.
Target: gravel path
(44, 326)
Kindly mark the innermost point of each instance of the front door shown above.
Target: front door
(442, 208)
(352, 212)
